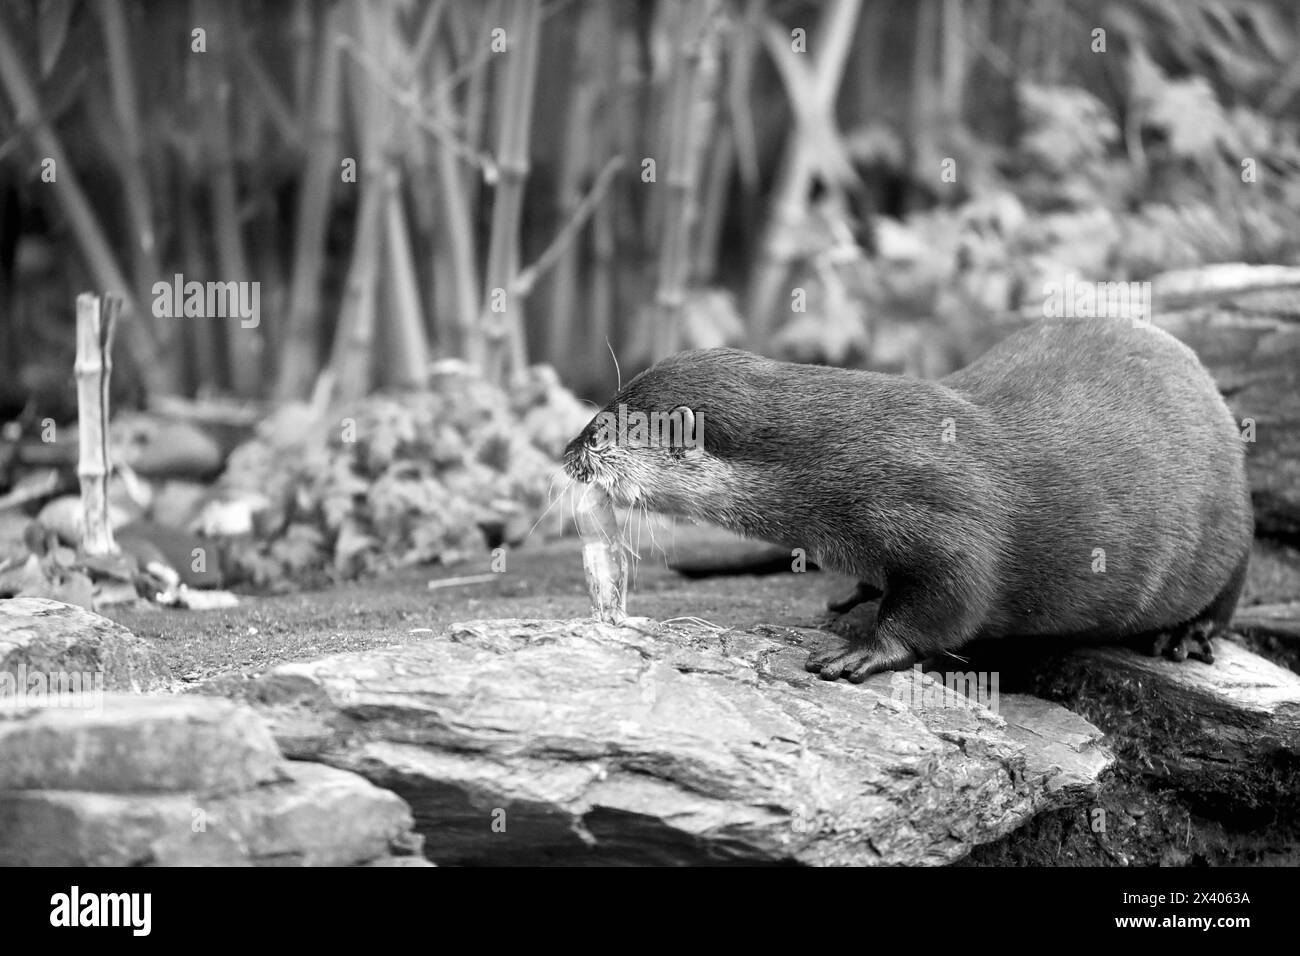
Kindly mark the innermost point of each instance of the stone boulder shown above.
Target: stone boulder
(139, 745)
(180, 781)
(568, 741)
(40, 640)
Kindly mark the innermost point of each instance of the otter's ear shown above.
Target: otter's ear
(686, 439)
(686, 417)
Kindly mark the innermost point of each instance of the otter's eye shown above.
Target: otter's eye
(597, 440)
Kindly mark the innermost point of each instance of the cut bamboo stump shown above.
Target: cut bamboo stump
(96, 319)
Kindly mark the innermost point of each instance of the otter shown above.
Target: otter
(1082, 480)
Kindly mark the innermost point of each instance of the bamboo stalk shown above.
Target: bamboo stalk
(924, 93)
(466, 39)
(450, 149)
(130, 154)
(474, 119)
(243, 345)
(864, 83)
(504, 331)
(682, 174)
(304, 14)
(744, 53)
(407, 359)
(579, 133)
(954, 59)
(409, 351)
(422, 187)
(300, 354)
(601, 298)
(96, 321)
(641, 123)
(199, 339)
(273, 102)
(811, 145)
(522, 285)
(472, 48)
(424, 40)
(601, 291)
(157, 374)
(352, 356)
(573, 165)
(267, 246)
(458, 228)
(716, 195)
(410, 101)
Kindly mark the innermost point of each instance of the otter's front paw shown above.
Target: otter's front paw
(858, 661)
(1191, 640)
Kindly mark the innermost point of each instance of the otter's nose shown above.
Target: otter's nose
(577, 460)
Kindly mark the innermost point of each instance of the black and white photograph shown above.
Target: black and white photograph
(455, 434)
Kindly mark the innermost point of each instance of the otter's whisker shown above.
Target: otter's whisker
(646, 527)
(626, 530)
(618, 372)
(625, 534)
(655, 546)
(554, 498)
(672, 537)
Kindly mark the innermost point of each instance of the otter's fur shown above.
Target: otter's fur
(981, 505)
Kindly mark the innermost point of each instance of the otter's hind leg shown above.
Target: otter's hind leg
(1193, 638)
(1186, 640)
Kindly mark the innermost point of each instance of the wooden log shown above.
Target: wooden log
(1224, 735)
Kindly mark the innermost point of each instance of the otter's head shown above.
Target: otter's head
(664, 441)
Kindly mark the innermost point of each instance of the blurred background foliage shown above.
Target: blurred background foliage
(798, 204)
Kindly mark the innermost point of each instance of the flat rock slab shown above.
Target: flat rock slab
(137, 744)
(45, 645)
(317, 816)
(180, 781)
(1227, 734)
(568, 741)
